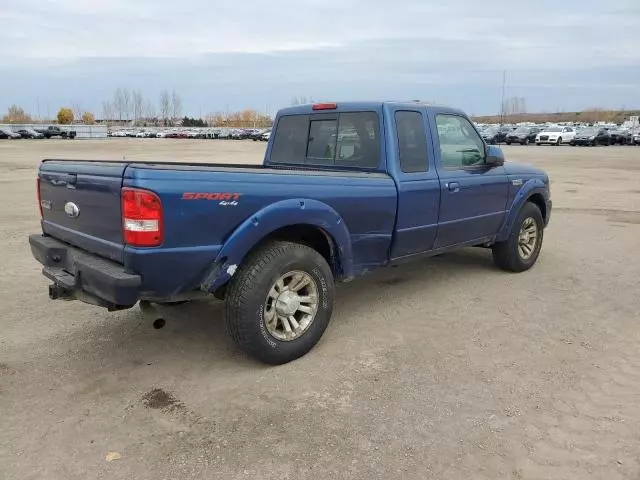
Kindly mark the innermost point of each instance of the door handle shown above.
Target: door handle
(453, 187)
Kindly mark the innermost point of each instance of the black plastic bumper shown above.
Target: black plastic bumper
(79, 275)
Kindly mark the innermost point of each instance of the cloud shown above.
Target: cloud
(253, 53)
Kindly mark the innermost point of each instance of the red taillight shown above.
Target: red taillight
(324, 106)
(141, 218)
(39, 196)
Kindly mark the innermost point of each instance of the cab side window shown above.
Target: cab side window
(460, 144)
(412, 142)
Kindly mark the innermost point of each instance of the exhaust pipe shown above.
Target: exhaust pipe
(151, 313)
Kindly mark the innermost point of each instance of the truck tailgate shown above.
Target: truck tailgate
(81, 205)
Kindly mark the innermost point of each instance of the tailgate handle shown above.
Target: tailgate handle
(69, 179)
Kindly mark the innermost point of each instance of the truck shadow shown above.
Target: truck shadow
(195, 337)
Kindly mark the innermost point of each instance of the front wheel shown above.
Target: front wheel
(279, 302)
(559, 142)
(520, 251)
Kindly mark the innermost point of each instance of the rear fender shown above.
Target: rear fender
(294, 211)
(530, 187)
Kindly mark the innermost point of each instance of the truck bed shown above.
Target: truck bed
(205, 205)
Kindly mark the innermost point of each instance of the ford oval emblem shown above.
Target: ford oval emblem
(71, 209)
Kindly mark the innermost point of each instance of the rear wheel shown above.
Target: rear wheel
(280, 301)
(520, 251)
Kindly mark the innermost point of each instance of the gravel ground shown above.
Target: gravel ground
(447, 368)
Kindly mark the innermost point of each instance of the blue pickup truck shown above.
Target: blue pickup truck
(344, 189)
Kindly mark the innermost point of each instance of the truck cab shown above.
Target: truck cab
(344, 188)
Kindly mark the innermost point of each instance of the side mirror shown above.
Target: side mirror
(494, 156)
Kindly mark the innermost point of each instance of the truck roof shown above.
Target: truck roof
(355, 106)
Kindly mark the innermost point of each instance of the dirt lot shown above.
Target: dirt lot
(443, 369)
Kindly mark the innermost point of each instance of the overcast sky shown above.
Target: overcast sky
(559, 55)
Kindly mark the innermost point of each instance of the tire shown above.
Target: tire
(508, 143)
(525, 141)
(559, 141)
(506, 255)
(248, 301)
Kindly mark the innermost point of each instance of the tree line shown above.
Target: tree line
(131, 106)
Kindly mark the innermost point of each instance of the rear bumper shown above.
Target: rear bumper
(78, 275)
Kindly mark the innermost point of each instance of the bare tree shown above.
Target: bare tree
(76, 108)
(138, 105)
(165, 104)
(150, 110)
(107, 111)
(119, 103)
(176, 105)
(16, 114)
(126, 98)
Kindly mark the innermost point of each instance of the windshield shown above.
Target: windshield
(553, 129)
(589, 131)
(522, 130)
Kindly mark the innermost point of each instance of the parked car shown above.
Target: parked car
(5, 133)
(592, 136)
(55, 131)
(555, 135)
(256, 134)
(29, 133)
(266, 136)
(491, 135)
(622, 136)
(522, 135)
(279, 235)
(635, 139)
(503, 132)
(236, 134)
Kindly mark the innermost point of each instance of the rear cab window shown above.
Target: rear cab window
(345, 139)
